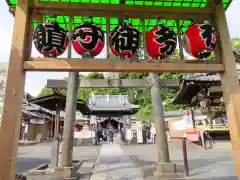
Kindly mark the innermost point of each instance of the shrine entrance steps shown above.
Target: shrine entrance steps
(114, 164)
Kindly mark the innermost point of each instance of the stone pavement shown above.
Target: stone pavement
(212, 164)
(30, 157)
(114, 164)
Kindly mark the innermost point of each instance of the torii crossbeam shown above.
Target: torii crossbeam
(113, 83)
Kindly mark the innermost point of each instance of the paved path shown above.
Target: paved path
(114, 164)
(212, 164)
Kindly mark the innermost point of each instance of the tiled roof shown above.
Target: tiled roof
(210, 76)
(110, 102)
(29, 113)
(36, 111)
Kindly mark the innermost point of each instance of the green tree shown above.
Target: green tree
(236, 43)
(95, 75)
(45, 91)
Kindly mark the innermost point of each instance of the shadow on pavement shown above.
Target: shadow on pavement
(26, 163)
(217, 178)
(148, 167)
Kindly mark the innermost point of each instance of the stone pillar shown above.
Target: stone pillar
(164, 164)
(66, 159)
(70, 116)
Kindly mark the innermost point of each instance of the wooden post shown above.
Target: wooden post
(185, 158)
(57, 119)
(14, 95)
(180, 42)
(229, 82)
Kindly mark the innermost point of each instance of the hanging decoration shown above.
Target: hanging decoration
(124, 40)
(50, 39)
(200, 40)
(88, 39)
(77, 127)
(161, 42)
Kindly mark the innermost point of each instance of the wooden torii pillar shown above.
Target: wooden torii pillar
(20, 61)
(14, 95)
(229, 80)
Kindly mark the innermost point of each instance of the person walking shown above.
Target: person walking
(153, 133)
(110, 137)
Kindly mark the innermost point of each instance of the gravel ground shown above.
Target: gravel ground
(214, 164)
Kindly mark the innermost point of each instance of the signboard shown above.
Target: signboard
(193, 136)
(180, 125)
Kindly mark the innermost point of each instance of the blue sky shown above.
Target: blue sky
(35, 81)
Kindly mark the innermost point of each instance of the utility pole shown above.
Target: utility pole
(71, 102)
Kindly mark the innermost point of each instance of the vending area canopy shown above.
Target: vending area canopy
(137, 23)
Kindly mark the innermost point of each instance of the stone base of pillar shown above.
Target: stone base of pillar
(58, 173)
(164, 169)
(65, 173)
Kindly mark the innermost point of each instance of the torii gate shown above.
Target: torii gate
(21, 61)
(150, 82)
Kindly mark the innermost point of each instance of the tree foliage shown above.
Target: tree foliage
(45, 91)
(236, 43)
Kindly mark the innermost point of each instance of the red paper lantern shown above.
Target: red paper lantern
(200, 40)
(161, 42)
(88, 38)
(50, 39)
(77, 127)
(124, 40)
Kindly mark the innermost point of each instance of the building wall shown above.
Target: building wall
(34, 129)
(3, 82)
(31, 132)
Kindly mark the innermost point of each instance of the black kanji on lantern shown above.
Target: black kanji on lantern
(167, 37)
(48, 36)
(209, 35)
(125, 38)
(88, 35)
